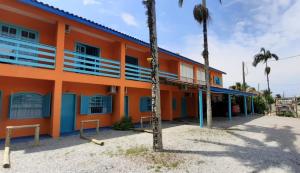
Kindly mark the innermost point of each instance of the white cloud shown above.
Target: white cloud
(279, 31)
(129, 19)
(90, 2)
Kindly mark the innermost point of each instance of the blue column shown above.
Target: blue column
(200, 108)
(252, 105)
(245, 105)
(229, 107)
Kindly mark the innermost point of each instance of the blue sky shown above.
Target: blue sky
(237, 31)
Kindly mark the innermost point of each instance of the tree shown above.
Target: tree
(156, 110)
(201, 15)
(263, 57)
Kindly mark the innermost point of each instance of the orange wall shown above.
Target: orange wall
(46, 31)
(9, 86)
(134, 96)
(88, 90)
(214, 73)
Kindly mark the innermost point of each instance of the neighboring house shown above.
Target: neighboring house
(57, 69)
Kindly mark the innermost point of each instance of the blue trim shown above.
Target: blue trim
(252, 105)
(200, 108)
(229, 107)
(230, 91)
(245, 106)
(98, 26)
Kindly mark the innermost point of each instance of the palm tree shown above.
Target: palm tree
(263, 57)
(201, 15)
(156, 111)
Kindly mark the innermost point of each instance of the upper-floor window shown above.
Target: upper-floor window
(217, 80)
(29, 105)
(201, 76)
(186, 73)
(91, 61)
(15, 50)
(97, 104)
(145, 104)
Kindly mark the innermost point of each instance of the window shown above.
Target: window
(201, 76)
(186, 73)
(29, 105)
(18, 33)
(217, 80)
(174, 104)
(97, 104)
(145, 104)
(132, 70)
(91, 63)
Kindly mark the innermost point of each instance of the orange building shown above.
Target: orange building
(57, 69)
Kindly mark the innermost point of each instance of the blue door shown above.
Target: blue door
(183, 107)
(126, 108)
(67, 120)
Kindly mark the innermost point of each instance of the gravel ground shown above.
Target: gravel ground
(253, 144)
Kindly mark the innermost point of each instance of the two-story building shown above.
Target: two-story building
(57, 69)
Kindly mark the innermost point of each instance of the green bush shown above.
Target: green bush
(260, 105)
(286, 114)
(124, 124)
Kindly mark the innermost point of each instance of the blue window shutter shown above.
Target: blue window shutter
(10, 106)
(143, 103)
(174, 104)
(109, 104)
(84, 105)
(46, 105)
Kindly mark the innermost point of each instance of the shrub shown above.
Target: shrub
(124, 124)
(260, 105)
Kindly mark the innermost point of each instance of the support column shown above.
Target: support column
(229, 107)
(195, 74)
(119, 101)
(60, 46)
(56, 109)
(245, 105)
(170, 106)
(200, 97)
(252, 105)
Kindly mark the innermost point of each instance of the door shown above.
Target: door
(126, 107)
(68, 113)
(183, 107)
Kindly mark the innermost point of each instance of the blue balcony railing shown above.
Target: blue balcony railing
(93, 65)
(134, 72)
(19, 52)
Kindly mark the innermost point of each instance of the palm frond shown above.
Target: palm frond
(263, 50)
(201, 13)
(258, 58)
(275, 56)
(180, 3)
(267, 70)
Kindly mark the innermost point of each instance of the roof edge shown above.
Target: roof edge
(59, 12)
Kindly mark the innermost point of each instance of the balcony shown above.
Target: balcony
(138, 73)
(93, 65)
(24, 53)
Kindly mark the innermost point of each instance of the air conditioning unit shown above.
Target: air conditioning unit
(67, 29)
(112, 90)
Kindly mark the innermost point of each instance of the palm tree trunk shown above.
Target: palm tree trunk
(156, 110)
(268, 82)
(207, 77)
(268, 78)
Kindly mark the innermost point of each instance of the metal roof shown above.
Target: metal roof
(59, 12)
(230, 91)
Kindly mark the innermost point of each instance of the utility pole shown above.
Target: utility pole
(244, 81)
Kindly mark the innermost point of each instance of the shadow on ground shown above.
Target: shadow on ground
(277, 150)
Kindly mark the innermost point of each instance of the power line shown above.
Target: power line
(281, 59)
